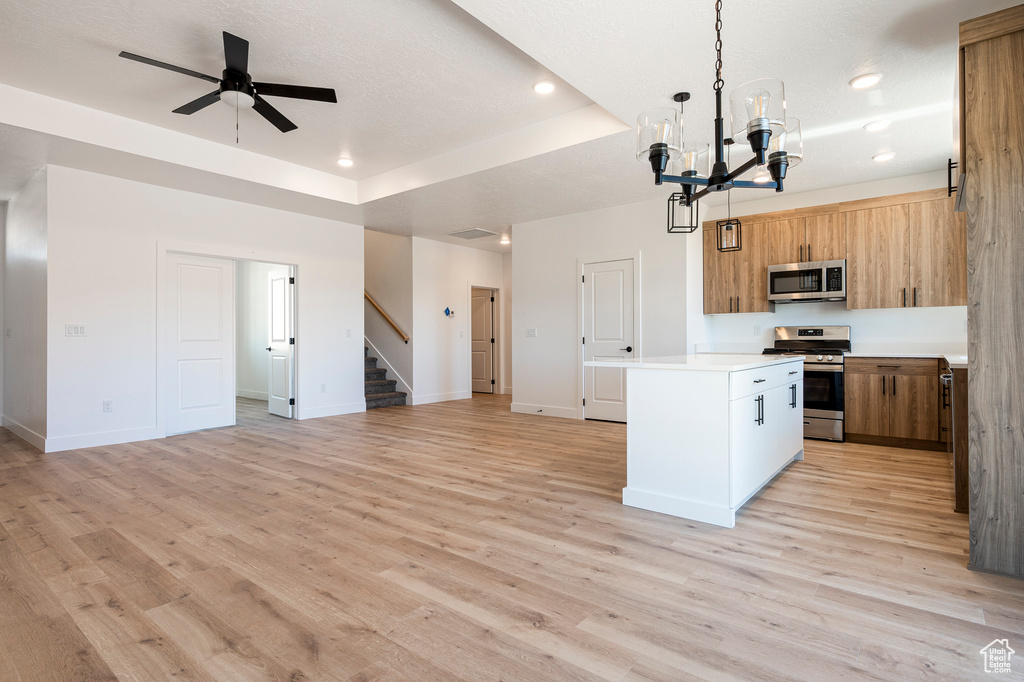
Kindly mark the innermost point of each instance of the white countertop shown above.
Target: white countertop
(704, 362)
(955, 361)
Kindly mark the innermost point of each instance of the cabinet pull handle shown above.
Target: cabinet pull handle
(730, 304)
(794, 372)
(737, 304)
(883, 384)
(793, 402)
(759, 381)
(904, 297)
(801, 253)
(915, 297)
(894, 384)
(809, 259)
(888, 366)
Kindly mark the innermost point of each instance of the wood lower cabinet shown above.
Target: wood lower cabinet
(893, 398)
(736, 281)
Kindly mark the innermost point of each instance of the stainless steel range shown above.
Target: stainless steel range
(823, 349)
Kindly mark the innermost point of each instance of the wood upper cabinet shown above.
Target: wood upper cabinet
(736, 281)
(878, 257)
(938, 254)
(826, 237)
(801, 240)
(892, 397)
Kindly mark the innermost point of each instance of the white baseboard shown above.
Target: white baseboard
(254, 395)
(680, 507)
(545, 410)
(330, 410)
(441, 397)
(94, 440)
(25, 433)
(507, 390)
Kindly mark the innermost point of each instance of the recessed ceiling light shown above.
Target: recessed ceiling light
(875, 126)
(544, 88)
(345, 163)
(505, 240)
(866, 81)
(884, 156)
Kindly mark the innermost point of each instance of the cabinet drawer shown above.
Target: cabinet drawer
(750, 381)
(903, 366)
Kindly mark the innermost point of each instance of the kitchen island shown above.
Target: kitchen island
(704, 433)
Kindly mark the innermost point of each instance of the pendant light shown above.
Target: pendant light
(757, 114)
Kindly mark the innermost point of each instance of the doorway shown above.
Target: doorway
(610, 306)
(482, 346)
(265, 340)
(228, 333)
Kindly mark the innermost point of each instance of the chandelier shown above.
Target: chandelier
(757, 112)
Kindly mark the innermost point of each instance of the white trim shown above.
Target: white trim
(333, 410)
(677, 506)
(545, 410)
(25, 433)
(637, 316)
(254, 395)
(93, 440)
(403, 385)
(441, 397)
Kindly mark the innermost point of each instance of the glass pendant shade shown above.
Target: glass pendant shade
(658, 127)
(791, 142)
(757, 104)
(694, 162)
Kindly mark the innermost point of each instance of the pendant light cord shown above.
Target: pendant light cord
(719, 83)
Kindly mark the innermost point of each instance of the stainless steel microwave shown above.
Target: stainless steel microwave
(802, 282)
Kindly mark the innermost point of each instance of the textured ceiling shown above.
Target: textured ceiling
(423, 80)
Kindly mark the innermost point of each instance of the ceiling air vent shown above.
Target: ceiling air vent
(475, 233)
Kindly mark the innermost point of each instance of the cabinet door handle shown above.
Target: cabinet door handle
(904, 297)
(730, 304)
(809, 259)
(915, 297)
(759, 381)
(793, 402)
(801, 253)
(894, 384)
(883, 384)
(888, 366)
(737, 304)
(792, 373)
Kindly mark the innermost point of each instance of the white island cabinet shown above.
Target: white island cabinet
(706, 432)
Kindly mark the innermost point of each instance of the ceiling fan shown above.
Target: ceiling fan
(237, 88)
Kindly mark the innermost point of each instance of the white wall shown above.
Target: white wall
(442, 277)
(909, 330)
(252, 322)
(388, 279)
(545, 369)
(3, 249)
(106, 236)
(25, 284)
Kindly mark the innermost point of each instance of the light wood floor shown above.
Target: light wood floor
(460, 541)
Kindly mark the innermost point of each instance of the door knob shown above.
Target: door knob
(628, 349)
(269, 348)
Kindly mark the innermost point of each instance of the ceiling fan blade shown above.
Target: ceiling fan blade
(236, 53)
(268, 112)
(169, 67)
(296, 92)
(197, 104)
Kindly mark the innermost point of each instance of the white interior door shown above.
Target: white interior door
(607, 334)
(201, 345)
(280, 344)
(483, 340)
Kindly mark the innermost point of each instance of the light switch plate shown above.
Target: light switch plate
(531, 332)
(74, 330)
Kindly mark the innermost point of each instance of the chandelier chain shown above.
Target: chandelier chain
(719, 83)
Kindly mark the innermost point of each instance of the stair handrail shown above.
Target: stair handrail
(387, 318)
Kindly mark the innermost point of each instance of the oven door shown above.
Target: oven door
(796, 282)
(823, 391)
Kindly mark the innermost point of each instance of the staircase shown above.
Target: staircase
(380, 391)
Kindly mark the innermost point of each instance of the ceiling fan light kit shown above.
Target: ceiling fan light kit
(237, 88)
(757, 114)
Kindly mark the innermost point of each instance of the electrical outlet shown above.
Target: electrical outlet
(462, 334)
(348, 333)
(108, 405)
(532, 333)
(757, 330)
